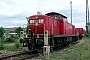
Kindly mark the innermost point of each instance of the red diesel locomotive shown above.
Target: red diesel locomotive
(60, 31)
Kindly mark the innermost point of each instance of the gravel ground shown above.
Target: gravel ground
(4, 52)
(81, 41)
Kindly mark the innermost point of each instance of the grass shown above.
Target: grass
(13, 47)
(7, 42)
(10, 48)
(74, 52)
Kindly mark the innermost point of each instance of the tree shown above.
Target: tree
(27, 30)
(17, 30)
(2, 31)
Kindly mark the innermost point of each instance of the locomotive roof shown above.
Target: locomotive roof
(55, 13)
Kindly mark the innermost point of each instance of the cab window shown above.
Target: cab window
(57, 16)
(41, 20)
(31, 21)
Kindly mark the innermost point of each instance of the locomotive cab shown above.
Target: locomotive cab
(35, 25)
(36, 31)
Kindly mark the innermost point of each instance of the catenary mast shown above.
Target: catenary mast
(86, 16)
(71, 10)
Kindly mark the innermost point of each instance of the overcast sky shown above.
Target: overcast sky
(13, 13)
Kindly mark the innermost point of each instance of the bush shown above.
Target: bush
(86, 35)
(13, 47)
(83, 35)
(1, 46)
(9, 40)
(17, 44)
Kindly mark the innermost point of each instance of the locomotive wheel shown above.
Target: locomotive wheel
(30, 46)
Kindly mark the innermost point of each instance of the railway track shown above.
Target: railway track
(20, 55)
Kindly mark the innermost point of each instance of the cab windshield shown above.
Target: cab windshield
(39, 21)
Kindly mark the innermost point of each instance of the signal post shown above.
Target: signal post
(46, 47)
